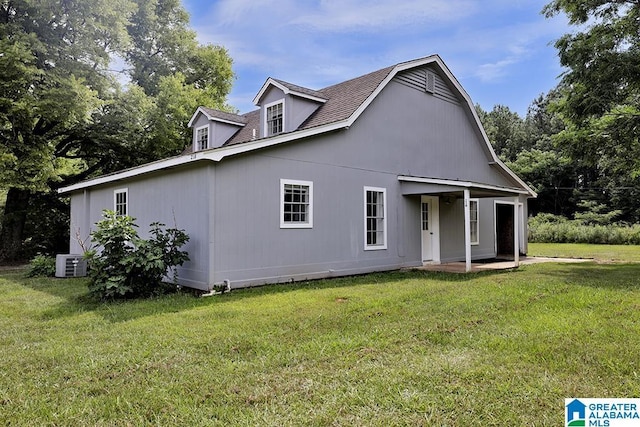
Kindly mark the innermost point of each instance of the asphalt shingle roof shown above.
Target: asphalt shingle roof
(343, 99)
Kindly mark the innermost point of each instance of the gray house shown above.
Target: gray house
(388, 170)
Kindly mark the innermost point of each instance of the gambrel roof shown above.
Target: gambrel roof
(340, 105)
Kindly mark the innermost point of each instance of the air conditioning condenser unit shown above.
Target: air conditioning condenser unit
(70, 265)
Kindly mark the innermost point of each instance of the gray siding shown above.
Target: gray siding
(402, 132)
(256, 250)
(219, 132)
(452, 231)
(417, 78)
(231, 209)
(176, 198)
(296, 109)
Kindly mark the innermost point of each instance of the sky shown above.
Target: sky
(501, 51)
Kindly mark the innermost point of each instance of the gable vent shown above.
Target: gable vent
(430, 83)
(70, 265)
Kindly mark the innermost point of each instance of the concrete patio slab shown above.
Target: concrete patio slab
(498, 264)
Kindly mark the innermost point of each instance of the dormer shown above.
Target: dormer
(285, 106)
(212, 128)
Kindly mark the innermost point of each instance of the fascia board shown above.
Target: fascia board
(193, 118)
(212, 118)
(264, 88)
(306, 96)
(220, 153)
(271, 82)
(129, 173)
(217, 119)
(461, 184)
(214, 155)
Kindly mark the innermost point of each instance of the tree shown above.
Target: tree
(601, 98)
(505, 129)
(64, 116)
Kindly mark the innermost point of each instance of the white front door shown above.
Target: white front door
(430, 226)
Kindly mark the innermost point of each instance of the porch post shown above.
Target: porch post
(516, 237)
(467, 231)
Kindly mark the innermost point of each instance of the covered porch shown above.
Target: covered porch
(436, 191)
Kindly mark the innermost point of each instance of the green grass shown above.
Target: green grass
(602, 253)
(401, 348)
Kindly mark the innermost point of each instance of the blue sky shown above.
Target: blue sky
(501, 51)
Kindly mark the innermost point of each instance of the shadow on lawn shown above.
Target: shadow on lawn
(75, 298)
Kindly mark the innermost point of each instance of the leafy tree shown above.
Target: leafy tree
(601, 98)
(63, 115)
(505, 129)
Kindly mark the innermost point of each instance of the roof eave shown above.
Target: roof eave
(214, 155)
(287, 91)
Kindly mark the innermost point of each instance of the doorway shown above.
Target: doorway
(430, 229)
(504, 230)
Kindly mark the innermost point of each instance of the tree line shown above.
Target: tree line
(66, 115)
(88, 87)
(578, 145)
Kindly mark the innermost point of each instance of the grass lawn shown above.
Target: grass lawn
(602, 253)
(400, 348)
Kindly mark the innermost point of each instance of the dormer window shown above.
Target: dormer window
(274, 118)
(202, 138)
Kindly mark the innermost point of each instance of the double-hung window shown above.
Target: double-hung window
(121, 202)
(473, 221)
(274, 119)
(375, 218)
(202, 138)
(296, 204)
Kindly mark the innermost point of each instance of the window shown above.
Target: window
(375, 213)
(473, 221)
(120, 202)
(296, 204)
(202, 138)
(274, 118)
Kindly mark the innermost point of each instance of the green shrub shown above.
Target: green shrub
(128, 266)
(547, 228)
(42, 266)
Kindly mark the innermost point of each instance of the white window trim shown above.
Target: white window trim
(309, 223)
(265, 128)
(115, 200)
(477, 202)
(195, 138)
(368, 247)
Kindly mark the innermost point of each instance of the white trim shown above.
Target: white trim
(467, 232)
(116, 192)
(522, 239)
(220, 153)
(309, 222)
(477, 241)
(265, 129)
(461, 184)
(209, 117)
(271, 82)
(434, 225)
(368, 247)
(196, 146)
(214, 155)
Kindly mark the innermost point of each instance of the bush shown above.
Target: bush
(128, 266)
(547, 228)
(42, 266)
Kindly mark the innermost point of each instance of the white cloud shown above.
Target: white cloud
(322, 42)
(359, 15)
